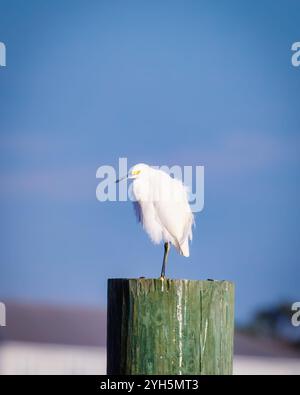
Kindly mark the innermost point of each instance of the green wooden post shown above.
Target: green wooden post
(169, 326)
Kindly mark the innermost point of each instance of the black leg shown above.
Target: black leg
(163, 269)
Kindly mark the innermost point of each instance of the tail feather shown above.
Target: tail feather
(184, 248)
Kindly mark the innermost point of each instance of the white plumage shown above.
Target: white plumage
(162, 207)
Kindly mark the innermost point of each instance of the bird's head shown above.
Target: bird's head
(136, 171)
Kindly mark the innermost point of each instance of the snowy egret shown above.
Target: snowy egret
(161, 205)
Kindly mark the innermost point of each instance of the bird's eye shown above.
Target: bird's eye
(136, 172)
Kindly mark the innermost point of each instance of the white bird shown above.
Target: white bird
(162, 207)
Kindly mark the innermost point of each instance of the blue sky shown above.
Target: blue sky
(163, 82)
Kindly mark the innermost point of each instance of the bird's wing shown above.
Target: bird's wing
(176, 218)
(138, 211)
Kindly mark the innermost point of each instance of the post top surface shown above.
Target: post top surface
(168, 280)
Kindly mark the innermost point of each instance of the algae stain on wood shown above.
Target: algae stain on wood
(170, 326)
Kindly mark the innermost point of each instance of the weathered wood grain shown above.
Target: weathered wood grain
(170, 326)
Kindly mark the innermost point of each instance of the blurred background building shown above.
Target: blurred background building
(44, 339)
